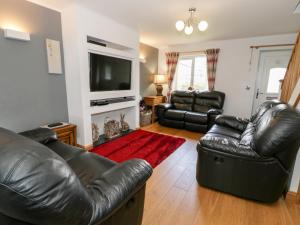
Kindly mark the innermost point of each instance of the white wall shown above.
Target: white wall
(78, 23)
(233, 71)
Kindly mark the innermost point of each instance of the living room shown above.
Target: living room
(149, 112)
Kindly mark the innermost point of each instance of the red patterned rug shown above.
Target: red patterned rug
(150, 146)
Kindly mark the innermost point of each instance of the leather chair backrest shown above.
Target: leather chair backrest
(37, 186)
(183, 100)
(207, 100)
(262, 109)
(278, 132)
(264, 122)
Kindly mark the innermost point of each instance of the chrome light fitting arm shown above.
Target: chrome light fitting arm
(187, 26)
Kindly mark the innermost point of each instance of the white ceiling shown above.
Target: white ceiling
(227, 19)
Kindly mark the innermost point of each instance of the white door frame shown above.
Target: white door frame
(255, 67)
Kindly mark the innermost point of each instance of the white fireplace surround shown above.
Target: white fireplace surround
(123, 42)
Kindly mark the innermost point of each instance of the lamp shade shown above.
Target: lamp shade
(159, 79)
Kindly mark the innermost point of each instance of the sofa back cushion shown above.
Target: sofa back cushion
(278, 131)
(262, 109)
(183, 100)
(37, 186)
(247, 137)
(264, 122)
(207, 100)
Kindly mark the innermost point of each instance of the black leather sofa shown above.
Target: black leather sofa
(191, 110)
(254, 158)
(45, 182)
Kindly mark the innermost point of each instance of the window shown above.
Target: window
(275, 75)
(191, 72)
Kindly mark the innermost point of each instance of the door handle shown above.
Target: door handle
(258, 93)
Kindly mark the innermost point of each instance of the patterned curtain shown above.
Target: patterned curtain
(292, 74)
(212, 60)
(171, 60)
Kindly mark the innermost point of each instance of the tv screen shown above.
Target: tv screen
(109, 73)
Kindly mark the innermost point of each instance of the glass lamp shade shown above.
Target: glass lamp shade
(203, 25)
(188, 30)
(159, 79)
(179, 25)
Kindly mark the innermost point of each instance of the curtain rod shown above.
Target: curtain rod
(269, 46)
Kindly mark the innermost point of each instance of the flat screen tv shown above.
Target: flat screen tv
(109, 73)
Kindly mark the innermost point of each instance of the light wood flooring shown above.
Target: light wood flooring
(173, 196)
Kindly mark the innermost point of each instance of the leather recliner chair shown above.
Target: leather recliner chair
(254, 158)
(191, 110)
(45, 182)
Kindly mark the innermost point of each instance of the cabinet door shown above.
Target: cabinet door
(65, 137)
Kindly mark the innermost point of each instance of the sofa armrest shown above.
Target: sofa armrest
(41, 135)
(215, 111)
(165, 106)
(232, 122)
(212, 114)
(117, 185)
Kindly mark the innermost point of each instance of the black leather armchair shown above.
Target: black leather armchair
(195, 111)
(251, 158)
(44, 182)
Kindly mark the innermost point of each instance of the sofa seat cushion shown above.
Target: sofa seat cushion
(227, 145)
(67, 152)
(90, 167)
(175, 114)
(194, 117)
(225, 131)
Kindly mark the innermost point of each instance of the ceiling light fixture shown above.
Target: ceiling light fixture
(187, 26)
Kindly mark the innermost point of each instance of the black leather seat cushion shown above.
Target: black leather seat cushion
(87, 167)
(225, 131)
(90, 167)
(175, 114)
(41, 135)
(227, 145)
(194, 117)
(67, 152)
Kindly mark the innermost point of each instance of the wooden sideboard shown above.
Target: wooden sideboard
(67, 134)
(153, 101)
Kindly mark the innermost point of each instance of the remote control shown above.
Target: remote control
(55, 124)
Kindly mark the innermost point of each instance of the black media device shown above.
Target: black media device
(107, 101)
(55, 124)
(109, 73)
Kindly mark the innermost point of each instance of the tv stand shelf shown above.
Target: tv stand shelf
(112, 107)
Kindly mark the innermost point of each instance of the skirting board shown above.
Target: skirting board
(298, 194)
(293, 196)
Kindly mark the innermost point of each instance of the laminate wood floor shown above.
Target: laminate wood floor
(173, 196)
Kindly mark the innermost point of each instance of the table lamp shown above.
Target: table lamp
(159, 80)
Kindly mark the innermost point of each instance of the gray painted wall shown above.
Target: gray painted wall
(29, 96)
(148, 69)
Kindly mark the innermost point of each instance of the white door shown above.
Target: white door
(271, 69)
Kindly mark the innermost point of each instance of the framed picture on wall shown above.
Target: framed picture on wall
(54, 56)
